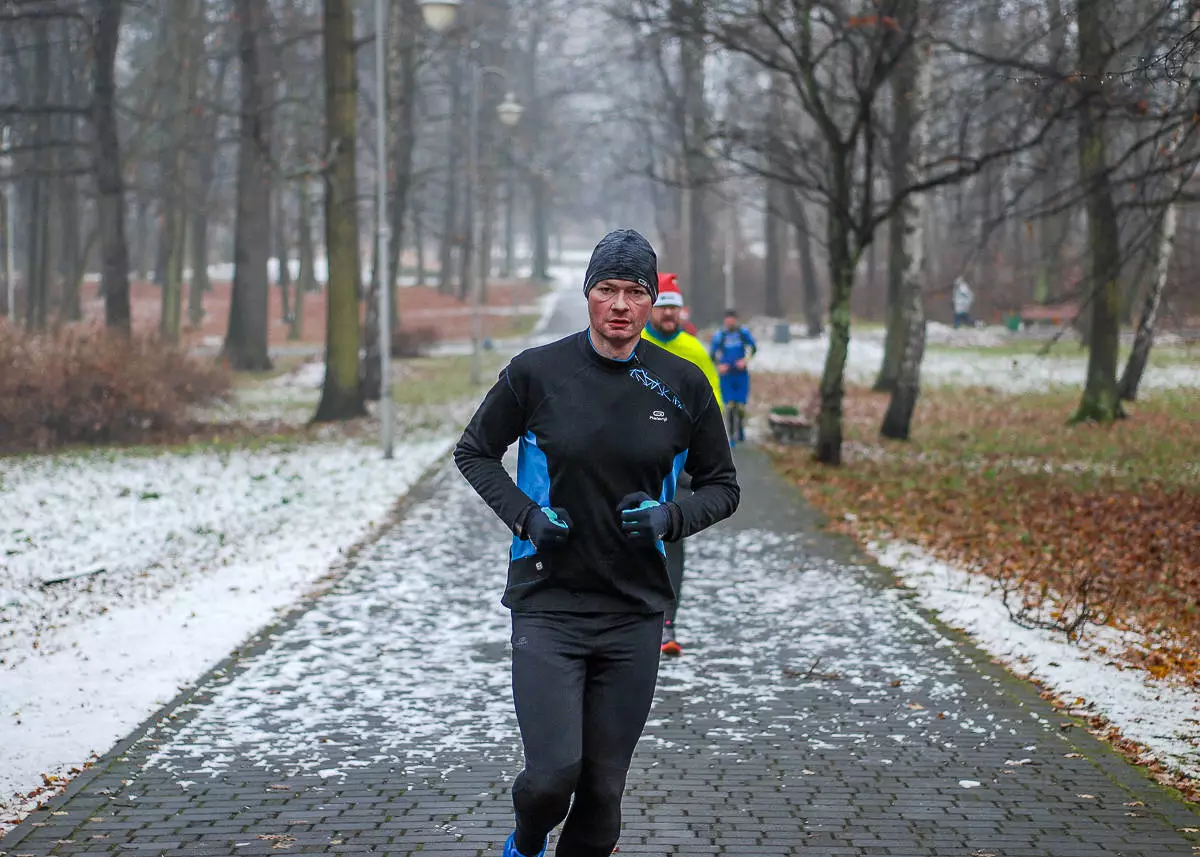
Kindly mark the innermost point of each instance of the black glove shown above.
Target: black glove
(644, 520)
(547, 526)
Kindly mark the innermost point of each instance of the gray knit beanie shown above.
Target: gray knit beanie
(624, 254)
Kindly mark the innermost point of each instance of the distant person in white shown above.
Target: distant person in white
(963, 298)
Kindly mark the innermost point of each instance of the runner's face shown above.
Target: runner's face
(618, 310)
(730, 322)
(665, 318)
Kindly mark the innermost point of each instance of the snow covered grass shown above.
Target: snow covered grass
(1162, 717)
(173, 560)
(975, 358)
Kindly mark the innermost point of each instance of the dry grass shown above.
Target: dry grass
(1092, 518)
(82, 385)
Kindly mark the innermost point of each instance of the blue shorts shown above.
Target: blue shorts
(735, 387)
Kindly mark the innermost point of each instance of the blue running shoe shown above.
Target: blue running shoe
(510, 848)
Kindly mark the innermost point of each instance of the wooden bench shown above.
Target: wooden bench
(789, 426)
(1052, 313)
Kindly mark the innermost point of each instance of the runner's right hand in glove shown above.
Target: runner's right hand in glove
(547, 526)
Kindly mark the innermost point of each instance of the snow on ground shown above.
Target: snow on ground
(1020, 373)
(1160, 716)
(178, 558)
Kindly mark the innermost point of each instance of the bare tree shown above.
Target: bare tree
(110, 183)
(1101, 401)
(183, 32)
(246, 338)
(912, 81)
(341, 394)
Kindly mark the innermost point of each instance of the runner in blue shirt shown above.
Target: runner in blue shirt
(731, 350)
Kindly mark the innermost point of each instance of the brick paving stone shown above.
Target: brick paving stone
(816, 711)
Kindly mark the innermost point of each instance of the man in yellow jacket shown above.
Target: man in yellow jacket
(666, 331)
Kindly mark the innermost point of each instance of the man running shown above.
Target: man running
(603, 422)
(665, 330)
(731, 350)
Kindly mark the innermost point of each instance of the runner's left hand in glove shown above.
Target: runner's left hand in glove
(644, 520)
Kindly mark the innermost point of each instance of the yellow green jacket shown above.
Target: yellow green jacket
(684, 345)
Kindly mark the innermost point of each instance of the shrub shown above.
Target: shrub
(83, 385)
(413, 341)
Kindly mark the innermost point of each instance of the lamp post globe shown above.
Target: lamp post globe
(439, 15)
(509, 110)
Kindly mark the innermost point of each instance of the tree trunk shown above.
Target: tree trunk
(341, 394)
(73, 294)
(775, 244)
(39, 269)
(206, 130)
(510, 230)
(282, 254)
(371, 372)
(487, 202)
(706, 299)
(912, 111)
(110, 185)
(175, 240)
(1053, 228)
(808, 267)
(775, 239)
(454, 169)
(246, 339)
(404, 144)
(900, 227)
(1101, 401)
(833, 390)
(539, 177)
(185, 36)
(540, 192)
(466, 236)
(1131, 378)
(306, 281)
(199, 283)
(162, 250)
(141, 233)
(71, 267)
(5, 237)
(873, 277)
(418, 223)
(70, 262)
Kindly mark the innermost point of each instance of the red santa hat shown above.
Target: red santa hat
(668, 290)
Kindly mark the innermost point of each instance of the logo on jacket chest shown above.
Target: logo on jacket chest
(658, 416)
(657, 386)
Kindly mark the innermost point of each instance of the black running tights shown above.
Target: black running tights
(582, 684)
(675, 575)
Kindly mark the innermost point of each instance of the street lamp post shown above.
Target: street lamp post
(509, 113)
(440, 16)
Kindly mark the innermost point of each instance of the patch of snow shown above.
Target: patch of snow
(199, 551)
(1157, 714)
(1008, 373)
(309, 375)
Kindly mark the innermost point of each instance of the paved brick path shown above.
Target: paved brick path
(815, 712)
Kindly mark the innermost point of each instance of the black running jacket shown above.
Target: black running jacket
(590, 431)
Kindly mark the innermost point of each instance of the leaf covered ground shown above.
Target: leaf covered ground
(1086, 519)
